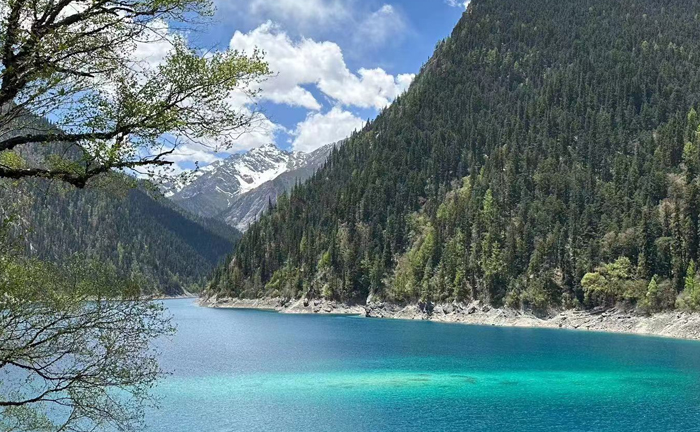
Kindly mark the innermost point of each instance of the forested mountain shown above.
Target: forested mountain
(546, 155)
(139, 232)
(238, 189)
(117, 221)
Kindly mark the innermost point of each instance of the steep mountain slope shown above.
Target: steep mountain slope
(137, 231)
(249, 206)
(542, 140)
(238, 189)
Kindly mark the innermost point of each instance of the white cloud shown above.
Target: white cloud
(379, 27)
(206, 151)
(307, 62)
(154, 45)
(261, 131)
(374, 88)
(152, 51)
(144, 55)
(299, 65)
(404, 81)
(346, 20)
(319, 129)
(302, 13)
(458, 3)
(194, 152)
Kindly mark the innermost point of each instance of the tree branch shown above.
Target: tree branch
(78, 180)
(57, 136)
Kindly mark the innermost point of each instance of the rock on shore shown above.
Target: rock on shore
(682, 325)
(675, 324)
(298, 306)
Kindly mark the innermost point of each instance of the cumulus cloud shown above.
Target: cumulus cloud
(307, 62)
(191, 152)
(261, 131)
(404, 81)
(206, 151)
(152, 51)
(373, 88)
(379, 27)
(319, 129)
(303, 69)
(349, 20)
(154, 45)
(458, 3)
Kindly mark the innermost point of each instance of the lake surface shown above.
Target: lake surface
(244, 370)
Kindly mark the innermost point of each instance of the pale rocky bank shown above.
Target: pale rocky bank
(675, 324)
(301, 306)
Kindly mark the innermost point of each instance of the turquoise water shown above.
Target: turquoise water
(243, 370)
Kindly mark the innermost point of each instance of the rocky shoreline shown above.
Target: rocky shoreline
(675, 324)
(185, 295)
(301, 306)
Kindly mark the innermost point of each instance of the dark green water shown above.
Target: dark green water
(240, 370)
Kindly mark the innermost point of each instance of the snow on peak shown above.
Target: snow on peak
(225, 179)
(238, 189)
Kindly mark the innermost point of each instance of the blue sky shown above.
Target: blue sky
(336, 62)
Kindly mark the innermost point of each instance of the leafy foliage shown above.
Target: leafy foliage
(690, 297)
(611, 283)
(76, 349)
(73, 60)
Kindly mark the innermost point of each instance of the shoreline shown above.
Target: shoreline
(185, 295)
(671, 324)
(301, 306)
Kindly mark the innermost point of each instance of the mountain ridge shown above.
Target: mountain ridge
(240, 188)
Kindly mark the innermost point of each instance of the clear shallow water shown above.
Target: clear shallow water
(244, 370)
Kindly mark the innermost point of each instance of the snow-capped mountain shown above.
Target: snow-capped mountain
(238, 189)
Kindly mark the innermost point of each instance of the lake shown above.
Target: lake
(245, 370)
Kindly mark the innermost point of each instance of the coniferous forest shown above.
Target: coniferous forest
(136, 231)
(545, 156)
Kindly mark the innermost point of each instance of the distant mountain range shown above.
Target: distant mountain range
(239, 189)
